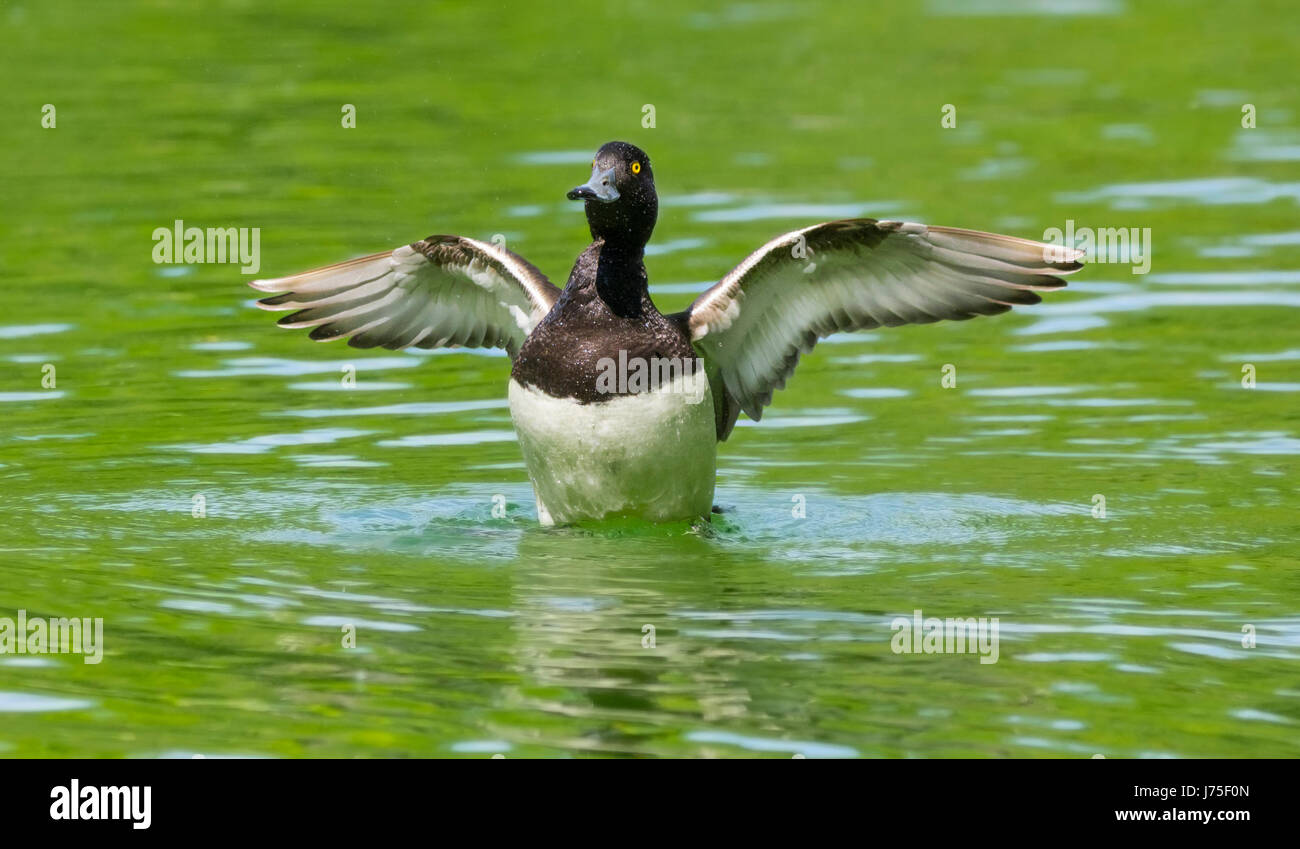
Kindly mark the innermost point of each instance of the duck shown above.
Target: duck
(619, 408)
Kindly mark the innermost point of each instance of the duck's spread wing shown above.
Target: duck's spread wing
(439, 291)
(852, 275)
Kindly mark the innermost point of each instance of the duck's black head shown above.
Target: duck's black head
(622, 206)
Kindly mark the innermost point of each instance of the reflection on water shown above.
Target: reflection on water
(556, 157)
(30, 396)
(262, 444)
(22, 331)
(273, 366)
(32, 703)
(674, 246)
(795, 212)
(471, 438)
(1267, 146)
(1208, 191)
(998, 8)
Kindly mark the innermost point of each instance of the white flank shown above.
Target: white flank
(651, 455)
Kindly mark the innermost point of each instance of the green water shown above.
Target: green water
(373, 506)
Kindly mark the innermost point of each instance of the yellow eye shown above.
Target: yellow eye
(636, 167)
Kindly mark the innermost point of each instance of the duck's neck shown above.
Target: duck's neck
(621, 280)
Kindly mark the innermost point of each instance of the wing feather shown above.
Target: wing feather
(856, 274)
(443, 290)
